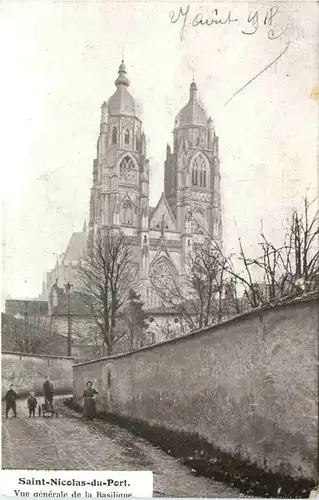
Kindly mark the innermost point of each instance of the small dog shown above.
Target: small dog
(32, 404)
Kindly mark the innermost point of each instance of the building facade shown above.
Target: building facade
(162, 236)
(190, 204)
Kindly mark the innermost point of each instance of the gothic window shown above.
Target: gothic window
(127, 213)
(114, 135)
(137, 143)
(162, 275)
(127, 170)
(199, 169)
(202, 178)
(198, 142)
(194, 177)
(127, 136)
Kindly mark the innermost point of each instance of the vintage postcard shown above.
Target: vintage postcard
(160, 290)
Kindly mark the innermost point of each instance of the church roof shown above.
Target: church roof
(193, 113)
(75, 247)
(163, 209)
(121, 102)
(151, 210)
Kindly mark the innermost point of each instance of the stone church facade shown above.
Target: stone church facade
(162, 236)
(190, 203)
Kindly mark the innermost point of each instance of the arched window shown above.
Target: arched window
(199, 169)
(197, 142)
(127, 170)
(127, 213)
(114, 135)
(162, 275)
(202, 178)
(127, 136)
(194, 177)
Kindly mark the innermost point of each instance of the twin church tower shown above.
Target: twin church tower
(165, 234)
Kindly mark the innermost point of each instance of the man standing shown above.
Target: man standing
(10, 399)
(48, 391)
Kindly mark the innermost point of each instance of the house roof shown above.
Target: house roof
(22, 307)
(79, 306)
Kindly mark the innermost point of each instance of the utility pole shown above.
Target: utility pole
(68, 290)
(26, 340)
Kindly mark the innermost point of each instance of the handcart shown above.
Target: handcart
(47, 410)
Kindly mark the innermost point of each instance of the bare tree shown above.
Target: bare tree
(287, 269)
(108, 271)
(32, 335)
(290, 268)
(303, 239)
(198, 297)
(134, 323)
(165, 329)
(208, 292)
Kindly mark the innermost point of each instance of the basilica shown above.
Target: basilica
(189, 205)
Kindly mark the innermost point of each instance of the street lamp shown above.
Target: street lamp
(68, 290)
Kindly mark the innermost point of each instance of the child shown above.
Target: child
(32, 404)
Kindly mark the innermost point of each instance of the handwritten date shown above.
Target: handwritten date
(254, 19)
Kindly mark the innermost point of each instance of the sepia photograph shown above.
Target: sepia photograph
(160, 245)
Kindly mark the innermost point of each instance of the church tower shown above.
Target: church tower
(120, 189)
(192, 175)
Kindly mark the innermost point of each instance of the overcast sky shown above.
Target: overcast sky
(60, 60)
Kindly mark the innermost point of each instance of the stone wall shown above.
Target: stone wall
(27, 372)
(248, 386)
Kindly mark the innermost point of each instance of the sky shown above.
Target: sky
(59, 63)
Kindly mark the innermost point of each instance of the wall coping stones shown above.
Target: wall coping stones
(38, 355)
(295, 299)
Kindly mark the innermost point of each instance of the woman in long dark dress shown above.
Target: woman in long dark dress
(89, 396)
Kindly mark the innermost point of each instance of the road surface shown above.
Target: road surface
(69, 443)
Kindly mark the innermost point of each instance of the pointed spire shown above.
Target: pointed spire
(162, 226)
(122, 78)
(43, 293)
(192, 92)
(56, 269)
(143, 139)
